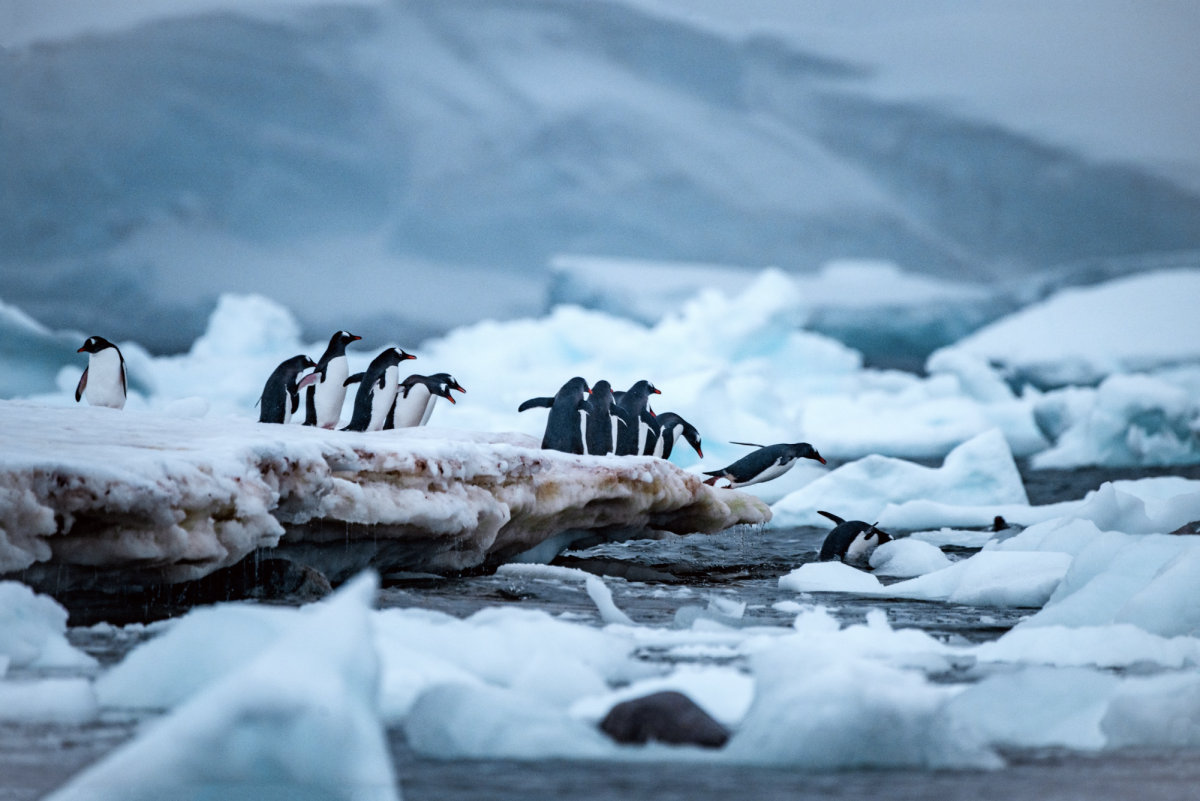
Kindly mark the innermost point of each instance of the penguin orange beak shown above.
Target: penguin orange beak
(81, 350)
(819, 459)
(700, 453)
(450, 398)
(354, 338)
(657, 391)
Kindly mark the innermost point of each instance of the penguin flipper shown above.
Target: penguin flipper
(124, 378)
(837, 520)
(311, 378)
(82, 385)
(354, 379)
(748, 444)
(295, 401)
(534, 403)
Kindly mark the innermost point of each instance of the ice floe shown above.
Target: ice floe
(33, 631)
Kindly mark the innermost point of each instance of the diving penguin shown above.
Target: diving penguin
(323, 401)
(281, 396)
(103, 380)
(562, 427)
(764, 464)
(376, 390)
(851, 541)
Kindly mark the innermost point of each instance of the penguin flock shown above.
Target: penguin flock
(583, 420)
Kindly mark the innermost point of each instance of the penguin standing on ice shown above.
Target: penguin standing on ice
(415, 399)
(562, 427)
(281, 396)
(674, 428)
(637, 422)
(598, 425)
(764, 464)
(851, 541)
(103, 380)
(376, 390)
(323, 401)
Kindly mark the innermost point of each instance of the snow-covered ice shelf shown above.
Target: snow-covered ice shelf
(93, 496)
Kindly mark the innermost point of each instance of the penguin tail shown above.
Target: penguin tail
(837, 520)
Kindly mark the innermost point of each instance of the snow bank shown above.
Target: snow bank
(33, 630)
(1079, 336)
(299, 720)
(67, 701)
(906, 558)
(161, 499)
(979, 471)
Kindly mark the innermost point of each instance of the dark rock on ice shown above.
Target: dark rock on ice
(667, 717)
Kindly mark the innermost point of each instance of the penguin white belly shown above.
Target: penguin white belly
(104, 384)
(433, 399)
(860, 550)
(583, 415)
(643, 432)
(661, 444)
(381, 399)
(774, 471)
(330, 394)
(410, 410)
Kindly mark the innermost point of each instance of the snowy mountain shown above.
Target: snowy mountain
(402, 168)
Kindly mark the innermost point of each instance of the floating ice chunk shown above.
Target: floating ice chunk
(602, 596)
(1113, 646)
(1079, 336)
(299, 721)
(957, 538)
(33, 630)
(1037, 708)
(990, 578)
(849, 712)
(830, 577)
(68, 701)
(202, 647)
(980, 471)
(905, 558)
(1157, 712)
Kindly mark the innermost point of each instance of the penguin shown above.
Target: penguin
(597, 422)
(764, 464)
(103, 380)
(323, 401)
(281, 396)
(563, 431)
(376, 390)
(851, 541)
(674, 428)
(416, 396)
(636, 418)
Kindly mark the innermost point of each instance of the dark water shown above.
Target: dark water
(669, 582)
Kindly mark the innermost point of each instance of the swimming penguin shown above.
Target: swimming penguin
(764, 464)
(104, 379)
(415, 399)
(376, 390)
(281, 396)
(598, 425)
(323, 401)
(674, 428)
(851, 541)
(637, 421)
(562, 427)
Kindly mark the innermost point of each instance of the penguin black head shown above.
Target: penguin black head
(449, 382)
(802, 450)
(396, 355)
(95, 345)
(692, 436)
(577, 385)
(343, 338)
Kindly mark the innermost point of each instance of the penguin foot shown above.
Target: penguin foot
(712, 482)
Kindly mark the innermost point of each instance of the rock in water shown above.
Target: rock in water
(300, 721)
(667, 717)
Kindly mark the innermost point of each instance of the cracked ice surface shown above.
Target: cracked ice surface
(91, 495)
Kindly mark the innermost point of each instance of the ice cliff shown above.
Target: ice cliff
(89, 496)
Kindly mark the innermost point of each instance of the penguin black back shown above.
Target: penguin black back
(598, 420)
(850, 541)
(373, 379)
(674, 426)
(562, 427)
(637, 421)
(281, 395)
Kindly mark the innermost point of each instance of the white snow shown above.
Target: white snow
(64, 701)
(980, 471)
(907, 558)
(1082, 335)
(298, 720)
(33, 631)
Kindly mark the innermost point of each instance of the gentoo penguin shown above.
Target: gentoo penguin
(562, 427)
(764, 464)
(376, 390)
(323, 401)
(851, 541)
(637, 421)
(281, 396)
(674, 428)
(598, 425)
(104, 379)
(416, 396)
